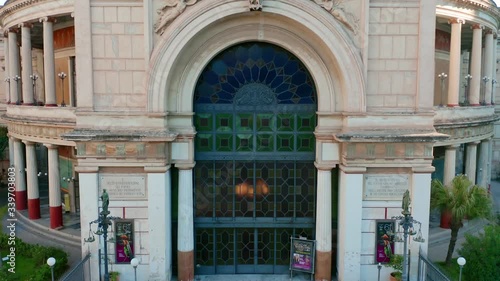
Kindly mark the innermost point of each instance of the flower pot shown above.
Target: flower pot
(393, 278)
(445, 219)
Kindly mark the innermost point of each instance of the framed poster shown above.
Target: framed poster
(384, 241)
(302, 255)
(124, 237)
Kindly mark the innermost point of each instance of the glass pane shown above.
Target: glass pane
(246, 244)
(204, 247)
(225, 246)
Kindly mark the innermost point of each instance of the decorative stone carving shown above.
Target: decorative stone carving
(335, 8)
(170, 10)
(255, 5)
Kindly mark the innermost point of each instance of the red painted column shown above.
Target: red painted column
(56, 218)
(32, 181)
(21, 194)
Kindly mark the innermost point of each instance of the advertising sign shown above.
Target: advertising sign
(302, 255)
(384, 241)
(124, 237)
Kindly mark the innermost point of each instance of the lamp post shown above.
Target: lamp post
(62, 75)
(443, 77)
(7, 80)
(467, 77)
(103, 223)
(135, 262)
(493, 83)
(406, 221)
(33, 78)
(379, 267)
(17, 79)
(51, 262)
(485, 81)
(461, 262)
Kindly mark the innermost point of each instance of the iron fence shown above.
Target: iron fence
(427, 271)
(80, 272)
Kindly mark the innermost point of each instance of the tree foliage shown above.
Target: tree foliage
(482, 254)
(463, 200)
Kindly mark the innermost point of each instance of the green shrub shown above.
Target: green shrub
(482, 255)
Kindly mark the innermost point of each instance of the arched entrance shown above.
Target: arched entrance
(255, 180)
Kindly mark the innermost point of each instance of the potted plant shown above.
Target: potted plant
(114, 276)
(396, 262)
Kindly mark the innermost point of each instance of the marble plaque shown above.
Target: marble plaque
(123, 186)
(385, 186)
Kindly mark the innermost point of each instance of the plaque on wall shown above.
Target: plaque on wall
(124, 241)
(385, 186)
(123, 187)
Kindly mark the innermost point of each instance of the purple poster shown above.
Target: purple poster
(124, 247)
(385, 243)
(302, 255)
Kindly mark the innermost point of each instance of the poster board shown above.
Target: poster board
(302, 255)
(384, 244)
(124, 241)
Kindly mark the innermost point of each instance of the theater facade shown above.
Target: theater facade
(221, 129)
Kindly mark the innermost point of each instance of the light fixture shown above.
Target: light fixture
(135, 262)
(17, 79)
(51, 262)
(62, 75)
(248, 190)
(33, 78)
(7, 80)
(461, 262)
(443, 77)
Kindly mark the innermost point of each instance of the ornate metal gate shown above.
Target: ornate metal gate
(254, 177)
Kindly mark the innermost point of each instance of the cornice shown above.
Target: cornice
(486, 6)
(15, 5)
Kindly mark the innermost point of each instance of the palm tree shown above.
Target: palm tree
(463, 200)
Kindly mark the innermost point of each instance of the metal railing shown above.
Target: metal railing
(78, 273)
(427, 271)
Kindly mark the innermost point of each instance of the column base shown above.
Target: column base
(475, 104)
(452, 105)
(28, 103)
(21, 200)
(185, 266)
(56, 218)
(34, 208)
(323, 266)
(51, 105)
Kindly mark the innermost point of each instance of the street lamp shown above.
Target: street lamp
(135, 262)
(485, 81)
(406, 221)
(103, 223)
(17, 79)
(62, 75)
(34, 77)
(379, 266)
(461, 262)
(51, 262)
(443, 77)
(493, 83)
(467, 77)
(7, 80)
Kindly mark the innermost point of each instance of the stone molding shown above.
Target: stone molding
(122, 150)
(467, 133)
(387, 151)
(39, 131)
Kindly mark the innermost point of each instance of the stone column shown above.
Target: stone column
(49, 61)
(484, 164)
(450, 158)
(32, 180)
(185, 234)
(14, 74)
(89, 211)
(488, 64)
(160, 234)
(323, 269)
(349, 221)
(475, 68)
(7, 70)
(55, 207)
(19, 164)
(11, 151)
(471, 161)
(27, 68)
(494, 70)
(454, 71)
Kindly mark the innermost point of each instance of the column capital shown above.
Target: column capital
(452, 147)
(160, 169)
(13, 30)
(28, 143)
(323, 166)
(25, 24)
(489, 31)
(352, 170)
(477, 26)
(474, 143)
(185, 166)
(456, 20)
(50, 146)
(48, 19)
